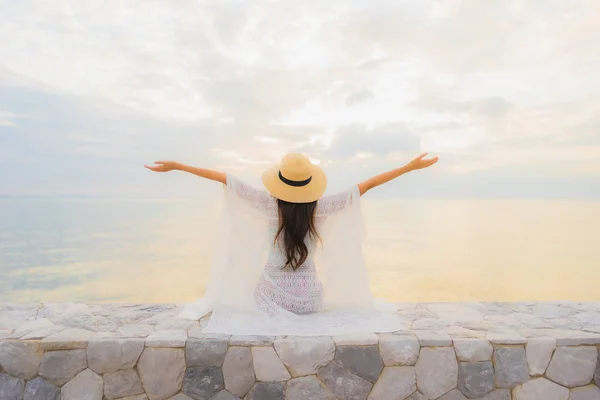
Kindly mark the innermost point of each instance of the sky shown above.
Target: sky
(505, 92)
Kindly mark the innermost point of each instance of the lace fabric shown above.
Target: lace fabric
(250, 291)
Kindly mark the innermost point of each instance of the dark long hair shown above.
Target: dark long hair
(296, 220)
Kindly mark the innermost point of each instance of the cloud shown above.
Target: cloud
(357, 97)
(7, 119)
(487, 86)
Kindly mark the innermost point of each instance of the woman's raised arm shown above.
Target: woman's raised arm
(166, 166)
(417, 163)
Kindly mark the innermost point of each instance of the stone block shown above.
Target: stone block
(473, 350)
(268, 366)
(122, 384)
(238, 372)
(476, 379)
(437, 371)
(40, 389)
(363, 361)
(251, 340)
(433, 339)
(305, 355)
(590, 392)
(11, 388)
(20, 359)
(205, 352)
(161, 372)
(308, 387)
(87, 385)
(401, 350)
(68, 339)
(343, 384)
(573, 366)
(511, 367)
(539, 351)
(538, 389)
(356, 339)
(59, 367)
(454, 394)
(395, 383)
(167, 338)
(202, 383)
(112, 354)
(267, 391)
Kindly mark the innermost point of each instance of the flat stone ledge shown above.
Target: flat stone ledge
(491, 351)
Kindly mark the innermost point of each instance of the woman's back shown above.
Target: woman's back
(281, 287)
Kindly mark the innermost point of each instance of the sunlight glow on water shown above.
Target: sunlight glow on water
(440, 250)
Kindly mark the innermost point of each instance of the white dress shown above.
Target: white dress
(251, 292)
(299, 291)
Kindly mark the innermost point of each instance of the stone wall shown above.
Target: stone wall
(79, 352)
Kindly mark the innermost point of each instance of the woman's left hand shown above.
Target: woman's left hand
(163, 166)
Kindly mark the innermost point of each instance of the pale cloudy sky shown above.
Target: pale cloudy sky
(506, 92)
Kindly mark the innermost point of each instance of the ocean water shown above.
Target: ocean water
(98, 250)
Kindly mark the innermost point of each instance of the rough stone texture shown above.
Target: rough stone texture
(223, 395)
(307, 387)
(67, 340)
(507, 337)
(476, 379)
(510, 366)
(343, 384)
(206, 352)
(453, 395)
(573, 366)
(112, 354)
(400, 350)
(11, 388)
(499, 394)
(251, 340)
(363, 361)
(597, 374)
(417, 396)
(167, 338)
(537, 330)
(356, 339)
(433, 339)
(31, 326)
(238, 372)
(267, 391)
(181, 396)
(590, 392)
(122, 384)
(395, 383)
(138, 397)
(539, 351)
(40, 389)
(59, 367)
(540, 389)
(20, 359)
(161, 372)
(473, 350)
(304, 355)
(202, 383)
(135, 330)
(267, 366)
(87, 385)
(437, 371)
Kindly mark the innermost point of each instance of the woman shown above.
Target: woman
(289, 261)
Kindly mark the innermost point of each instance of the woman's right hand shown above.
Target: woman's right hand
(421, 162)
(163, 166)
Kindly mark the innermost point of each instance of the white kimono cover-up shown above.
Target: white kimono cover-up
(251, 293)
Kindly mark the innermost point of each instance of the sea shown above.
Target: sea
(159, 250)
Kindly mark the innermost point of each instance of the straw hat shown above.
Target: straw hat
(295, 180)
